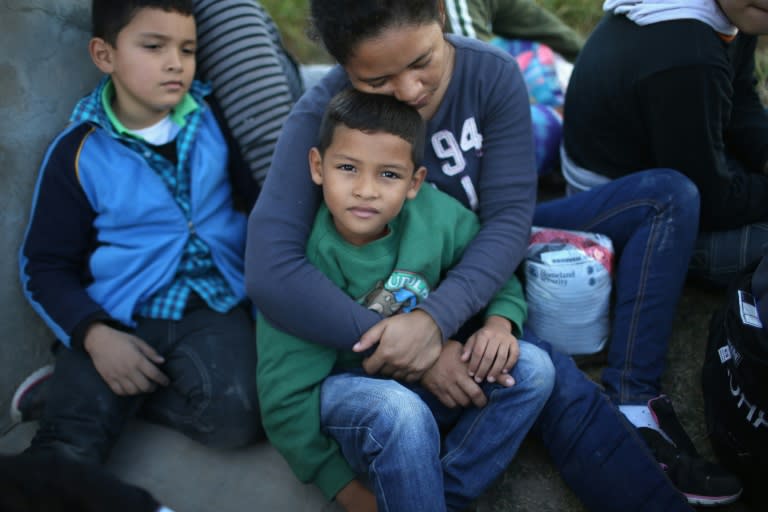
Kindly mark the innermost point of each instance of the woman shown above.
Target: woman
(480, 151)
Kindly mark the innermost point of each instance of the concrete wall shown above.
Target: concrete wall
(44, 69)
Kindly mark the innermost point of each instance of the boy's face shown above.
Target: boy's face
(366, 178)
(152, 65)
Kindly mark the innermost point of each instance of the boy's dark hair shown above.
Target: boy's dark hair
(109, 17)
(342, 24)
(373, 113)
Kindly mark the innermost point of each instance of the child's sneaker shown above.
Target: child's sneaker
(27, 403)
(701, 481)
(666, 418)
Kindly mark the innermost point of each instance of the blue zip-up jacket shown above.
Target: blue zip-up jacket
(105, 232)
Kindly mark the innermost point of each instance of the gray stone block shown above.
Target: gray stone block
(44, 69)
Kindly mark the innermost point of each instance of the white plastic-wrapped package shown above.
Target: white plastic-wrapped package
(568, 288)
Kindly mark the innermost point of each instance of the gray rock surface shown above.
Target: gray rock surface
(44, 68)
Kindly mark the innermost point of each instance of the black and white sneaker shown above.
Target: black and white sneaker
(29, 398)
(702, 482)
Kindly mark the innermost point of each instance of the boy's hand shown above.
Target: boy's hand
(354, 497)
(125, 362)
(449, 380)
(491, 352)
(408, 344)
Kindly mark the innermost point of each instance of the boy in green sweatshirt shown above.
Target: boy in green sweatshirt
(387, 242)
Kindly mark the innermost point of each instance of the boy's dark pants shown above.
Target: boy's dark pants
(210, 359)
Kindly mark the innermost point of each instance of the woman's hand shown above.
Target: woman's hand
(408, 344)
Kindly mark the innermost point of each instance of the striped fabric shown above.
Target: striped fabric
(460, 20)
(255, 81)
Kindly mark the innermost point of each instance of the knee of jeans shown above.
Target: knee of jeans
(674, 190)
(534, 368)
(229, 417)
(574, 396)
(229, 420)
(401, 416)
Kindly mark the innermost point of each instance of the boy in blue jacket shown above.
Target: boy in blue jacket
(134, 251)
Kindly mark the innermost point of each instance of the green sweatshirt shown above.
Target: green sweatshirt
(389, 275)
(513, 19)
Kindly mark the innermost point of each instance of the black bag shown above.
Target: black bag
(735, 377)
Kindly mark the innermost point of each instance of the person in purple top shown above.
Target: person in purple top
(479, 149)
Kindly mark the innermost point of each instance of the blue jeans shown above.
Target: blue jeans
(392, 434)
(210, 359)
(652, 219)
(720, 255)
(598, 453)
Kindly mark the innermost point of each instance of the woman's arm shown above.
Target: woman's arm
(490, 104)
(286, 288)
(505, 181)
(254, 79)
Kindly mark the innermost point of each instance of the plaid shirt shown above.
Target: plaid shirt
(196, 271)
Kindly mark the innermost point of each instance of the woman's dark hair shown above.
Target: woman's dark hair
(109, 17)
(342, 24)
(373, 113)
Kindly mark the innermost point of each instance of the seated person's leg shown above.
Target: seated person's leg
(82, 418)
(598, 453)
(719, 255)
(211, 362)
(387, 433)
(483, 442)
(651, 218)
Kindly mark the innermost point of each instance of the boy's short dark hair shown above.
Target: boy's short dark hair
(373, 113)
(109, 17)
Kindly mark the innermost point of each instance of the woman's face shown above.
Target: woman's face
(751, 16)
(413, 63)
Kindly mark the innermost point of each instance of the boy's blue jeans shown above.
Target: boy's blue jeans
(210, 359)
(391, 433)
